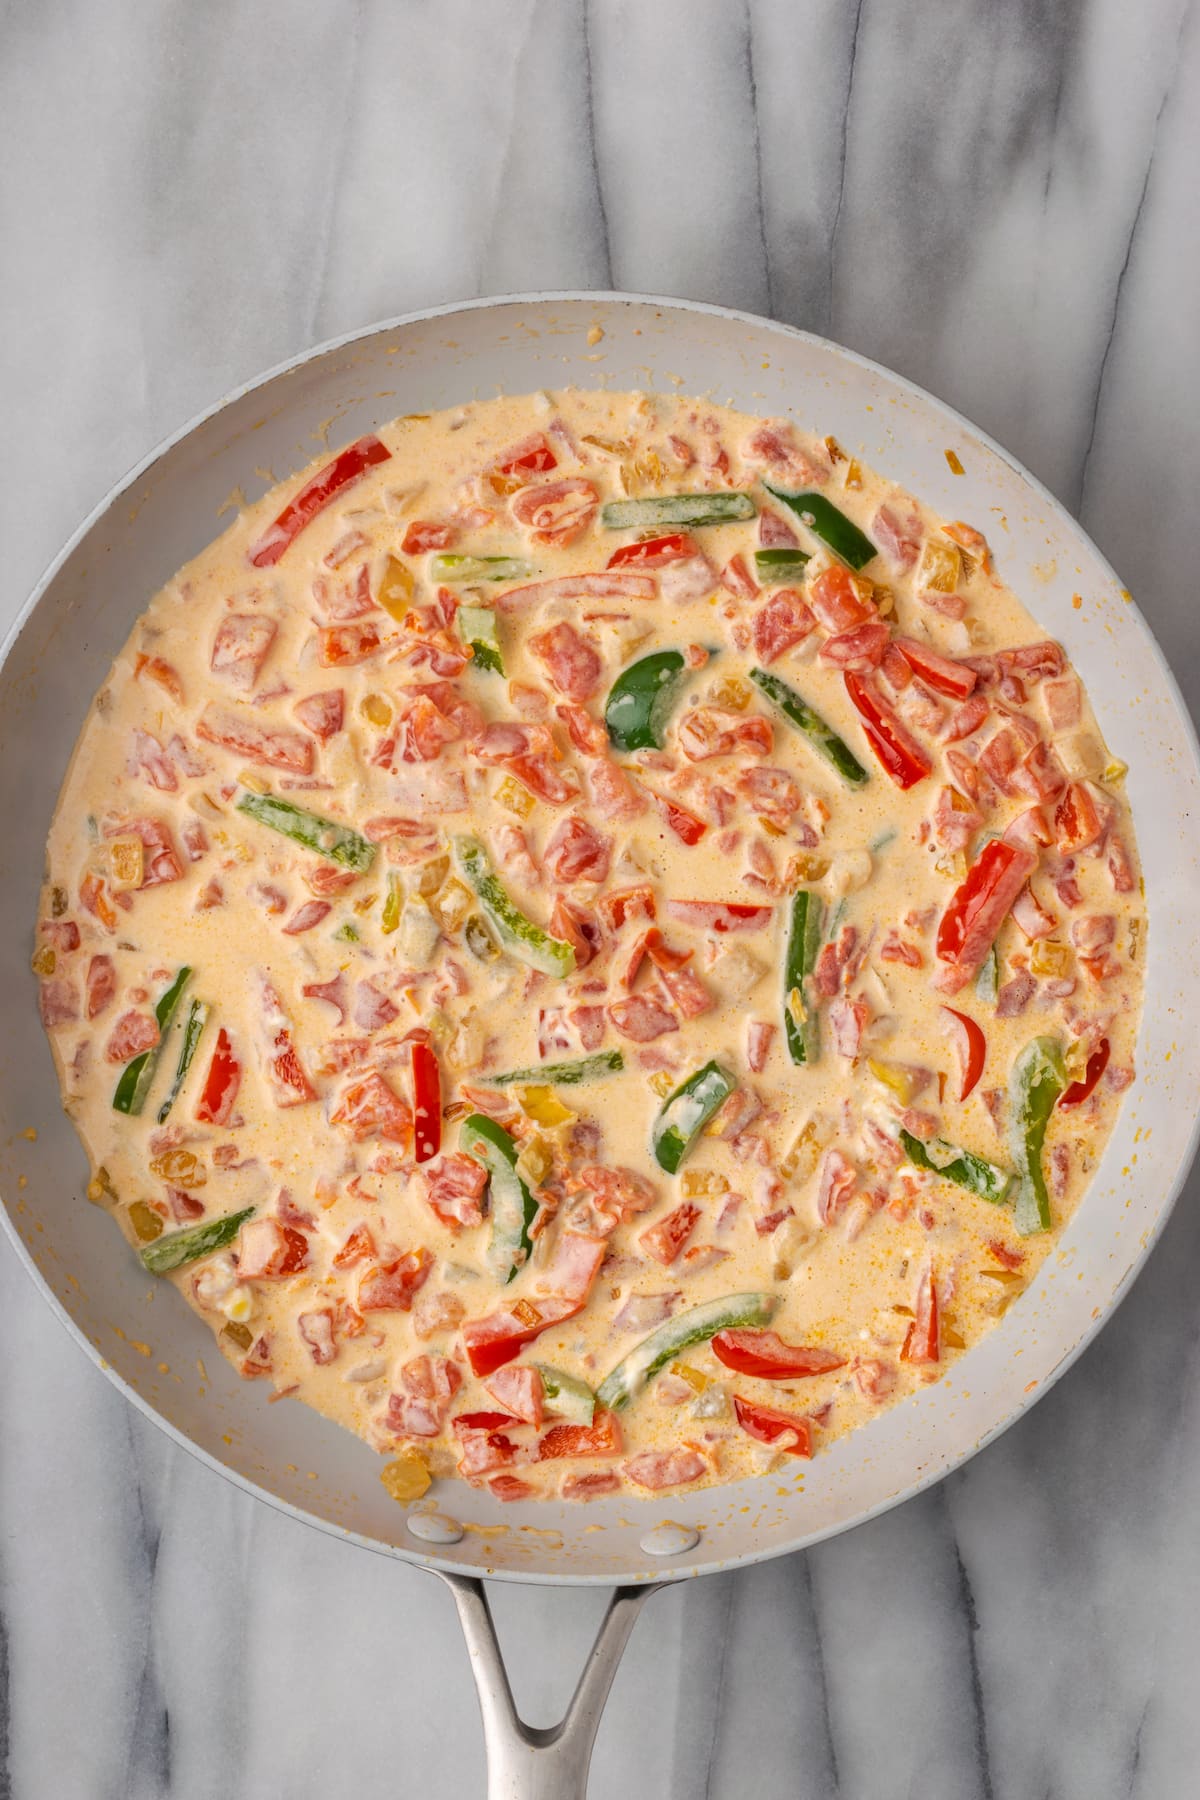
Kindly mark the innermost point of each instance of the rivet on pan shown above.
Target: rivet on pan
(669, 1539)
(435, 1528)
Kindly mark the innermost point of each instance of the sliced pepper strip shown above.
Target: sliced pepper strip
(477, 627)
(801, 1023)
(981, 903)
(687, 1111)
(179, 1247)
(655, 553)
(325, 485)
(457, 569)
(898, 752)
(972, 1049)
(1037, 1080)
(192, 1031)
(326, 836)
(765, 1355)
(1081, 1090)
(563, 1074)
(833, 528)
(821, 736)
(695, 1326)
(783, 1431)
(516, 932)
(676, 509)
(642, 698)
(775, 567)
(427, 1103)
(134, 1082)
(513, 1207)
(962, 1167)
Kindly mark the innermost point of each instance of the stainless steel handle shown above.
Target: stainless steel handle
(527, 1762)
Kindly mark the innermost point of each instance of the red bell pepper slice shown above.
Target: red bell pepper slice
(899, 753)
(939, 672)
(972, 1049)
(1096, 1064)
(655, 553)
(220, 1084)
(326, 484)
(785, 1431)
(981, 904)
(684, 824)
(427, 1103)
(492, 1341)
(482, 1421)
(923, 1341)
(601, 1438)
(764, 1354)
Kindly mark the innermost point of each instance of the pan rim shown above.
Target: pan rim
(939, 1468)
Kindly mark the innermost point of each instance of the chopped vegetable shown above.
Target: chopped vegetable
(641, 699)
(765, 1355)
(834, 529)
(962, 1167)
(563, 1074)
(800, 714)
(136, 1076)
(477, 627)
(347, 466)
(517, 933)
(972, 1049)
(654, 553)
(567, 1396)
(393, 905)
(1080, 1090)
(687, 1111)
(783, 1431)
(196, 1021)
(337, 842)
(513, 1207)
(987, 982)
(460, 569)
(775, 568)
(671, 1339)
(427, 1103)
(1037, 1080)
(179, 1247)
(898, 752)
(981, 903)
(676, 509)
(801, 1023)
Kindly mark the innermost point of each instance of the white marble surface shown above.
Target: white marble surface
(999, 199)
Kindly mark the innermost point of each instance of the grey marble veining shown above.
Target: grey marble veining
(999, 199)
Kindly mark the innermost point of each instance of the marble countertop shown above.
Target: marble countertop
(996, 198)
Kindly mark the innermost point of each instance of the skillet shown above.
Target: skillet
(58, 653)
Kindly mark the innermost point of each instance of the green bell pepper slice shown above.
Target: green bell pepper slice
(517, 933)
(834, 529)
(457, 569)
(1038, 1077)
(775, 567)
(197, 1019)
(962, 1167)
(179, 1247)
(134, 1082)
(337, 842)
(477, 627)
(642, 699)
(801, 1021)
(687, 1111)
(824, 740)
(987, 982)
(513, 1208)
(568, 1397)
(696, 1326)
(676, 509)
(563, 1074)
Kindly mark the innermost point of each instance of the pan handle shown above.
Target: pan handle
(527, 1762)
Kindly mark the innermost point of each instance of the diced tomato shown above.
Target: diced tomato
(532, 456)
(316, 1329)
(838, 600)
(719, 916)
(641, 1018)
(392, 1286)
(899, 753)
(425, 534)
(305, 917)
(100, 986)
(557, 512)
(655, 553)
(657, 1469)
(358, 1246)
(601, 1438)
(861, 648)
(290, 1084)
(430, 1384)
(665, 1240)
(338, 645)
(572, 1271)
(427, 1103)
(510, 1487)
(1080, 1090)
(371, 1109)
(577, 852)
(706, 731)
(322, 714)
(774, 532)
(346, 467)
(240, 648)
(922, 1344)
(454, 1189)
(966, 720)
(759, 1035)
(267, 1250)
(590, 1484)
(837, 1181)
(687, 992)
(764, 1354)
(631, 903)
(971, 1045)
(519, 1389)
(1032, 661)
(980, 905)
(900, 540)
(783, 1431)
(737, 579)
(543, 780)
(133, 1033)
(938, 672)
(167, 677)
(573, 665)
(58, 1000)
(274, 746)
(687, 828)
(1076, 821)
(494, 1340)
(784, 620)
(215, 1105)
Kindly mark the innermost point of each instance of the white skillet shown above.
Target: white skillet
(59, 652)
